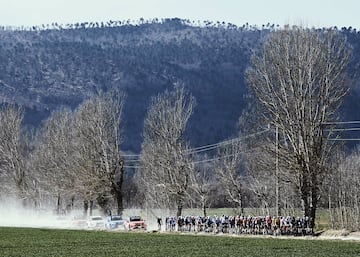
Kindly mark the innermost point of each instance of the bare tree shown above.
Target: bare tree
(228, 172)
(12, 156)
(99, 163)
(165, 176)
(343, 192)
(298, 76)
(202, 183)
(260, 176)
(52, 160)
(78, 154)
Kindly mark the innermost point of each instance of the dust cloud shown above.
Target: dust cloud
(14, 214)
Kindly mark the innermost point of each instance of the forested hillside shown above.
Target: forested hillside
(44, 68)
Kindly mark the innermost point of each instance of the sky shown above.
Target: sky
(309, 13)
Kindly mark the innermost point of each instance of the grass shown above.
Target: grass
(46, 242)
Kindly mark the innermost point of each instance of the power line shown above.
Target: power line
(354, 122)
(136, 160)
(209, 147)
(343, 129)
(133, 167)
(130, 155)
(222, 143)
(213, 159)
(344, 139)
(194, 162)
(341, 122)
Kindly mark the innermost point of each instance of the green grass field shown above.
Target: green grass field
(29, 242)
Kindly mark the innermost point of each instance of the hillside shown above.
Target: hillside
(44, 68)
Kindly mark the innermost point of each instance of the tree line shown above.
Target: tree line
(74, 156)
(285, 156)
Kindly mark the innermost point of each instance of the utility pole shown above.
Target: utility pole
(277, 184)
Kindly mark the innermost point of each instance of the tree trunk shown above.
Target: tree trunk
(179, 207)
(314, 199)
(305, 196)
(58, 204)
(331, 214)
(179, 210)
(241, 204)
(72, 202)
(313, 215)
(305, 191)
(103, 202)
(86, 208)
(119, 201)
(117, 187)
(204, 208)
(91, 207)
(305, 203)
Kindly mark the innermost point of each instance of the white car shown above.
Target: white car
(114, 222)
(96, 222)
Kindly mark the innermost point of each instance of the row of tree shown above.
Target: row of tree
(141, 21)
(74, 156)
(283, 159)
